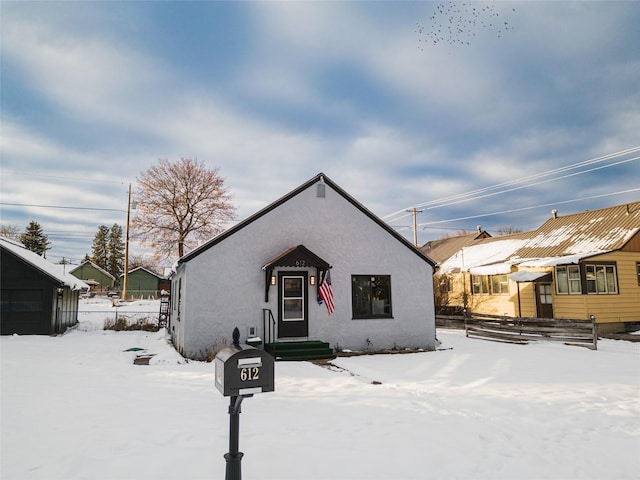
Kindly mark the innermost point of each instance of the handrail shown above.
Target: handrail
(270, 332)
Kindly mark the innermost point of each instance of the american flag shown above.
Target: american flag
(326, 293)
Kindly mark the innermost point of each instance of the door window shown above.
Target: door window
(292, 298)
(546, 298)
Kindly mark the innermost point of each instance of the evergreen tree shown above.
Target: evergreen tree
(35, 240)
(100, 248)
(115, 251)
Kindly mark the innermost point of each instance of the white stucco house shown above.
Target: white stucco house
(263, 276)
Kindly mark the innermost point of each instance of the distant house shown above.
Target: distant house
(143, 283)
(573, 266)
(37, 296)
(439, 251)
(263, 276)
(99, 279)
(443, 248)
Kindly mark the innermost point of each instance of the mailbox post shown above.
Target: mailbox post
(240, 372)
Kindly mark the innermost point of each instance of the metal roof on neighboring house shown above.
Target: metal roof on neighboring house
(563, 239)
(590, 232)
(441, 249)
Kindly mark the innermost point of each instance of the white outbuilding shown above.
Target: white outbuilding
(314, 267)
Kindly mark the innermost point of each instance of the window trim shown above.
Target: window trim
(371, 315)
(604, 266)
(484, 285)
(500, 283)
(568, 269)
(481, 286)
(604, 272)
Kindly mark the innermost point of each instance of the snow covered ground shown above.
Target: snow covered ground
(76, 407)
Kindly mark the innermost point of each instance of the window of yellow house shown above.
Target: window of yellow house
(499, 284)
(480, 284)
(638, 270)
(568, 280)
(489, 284)
(601, 278)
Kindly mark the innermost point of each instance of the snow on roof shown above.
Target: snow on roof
(55, 271)
(492, 269)
(562, 260)
(526, 276)
(561, 240)
(491, 254)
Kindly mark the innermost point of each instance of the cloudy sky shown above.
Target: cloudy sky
(518, 109)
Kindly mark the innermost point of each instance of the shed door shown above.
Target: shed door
(544, 299)
(292, 305)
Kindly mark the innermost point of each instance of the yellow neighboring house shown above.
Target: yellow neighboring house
(573, 266)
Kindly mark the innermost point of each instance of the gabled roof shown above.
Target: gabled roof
(90, 263)
(144, 270)
(590, 232)
(293, 256)
(561, 240)
(443, 248)
(320, 176)
(53, 271)
(488, 256)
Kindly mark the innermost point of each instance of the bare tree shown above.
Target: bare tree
(11, 232)
(507, 230)
(459, 233)
(179, 205)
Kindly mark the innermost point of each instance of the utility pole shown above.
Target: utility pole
(415, 213)
(126, 248)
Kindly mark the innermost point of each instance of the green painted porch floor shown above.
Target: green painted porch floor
(303, 350)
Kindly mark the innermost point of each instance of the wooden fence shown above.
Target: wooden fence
(523, 330)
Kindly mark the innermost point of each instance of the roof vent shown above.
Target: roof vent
(320, 188)
(554, 213)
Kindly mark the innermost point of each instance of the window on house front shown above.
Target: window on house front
(568, 280)
(638, 271)
(499, 284)
(601, 278)
(489, 284)
(371, 296)
(480, 284)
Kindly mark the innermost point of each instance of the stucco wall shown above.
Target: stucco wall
(225, 284)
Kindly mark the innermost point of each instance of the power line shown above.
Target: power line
(476, 194)
(533, 184)
(530, 208)
(65, 207)
(543, 174)
(78, 179)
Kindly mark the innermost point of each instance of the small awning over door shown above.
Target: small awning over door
(299, 256)
(526, 276)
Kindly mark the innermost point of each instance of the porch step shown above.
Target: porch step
(297, 351)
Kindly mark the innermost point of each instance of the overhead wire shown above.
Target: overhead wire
(481, 192)
(503, 212)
